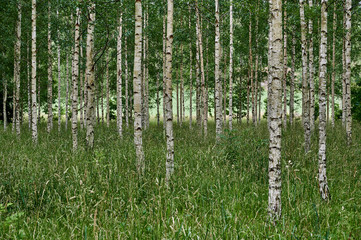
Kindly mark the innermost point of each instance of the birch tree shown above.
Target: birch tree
(322, 178)
(311, 72)
(305, 86)
(275, 108)
(17, 58)
(90, 77)
(218, 89)
(137, 78)
(119, 78)
(50, 74)
(334, 27)
(168, 94)
(34, 123)
(59, 77)
(348, 117)
(230, 103)
(75, 78)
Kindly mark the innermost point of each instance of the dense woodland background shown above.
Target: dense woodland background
(161, 119)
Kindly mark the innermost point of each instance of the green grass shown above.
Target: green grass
(217, 192)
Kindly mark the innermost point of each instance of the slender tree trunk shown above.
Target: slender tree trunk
(102, 97)
(177, 96)
(305, 86)
(146, 49)
(67, 92)
(334, 23)
(348, 116)
(75, 78)
(137, 78)
(39, 103)
(50, 74)
(250, 73)
(119, 79)
(292, 84)
(17, 58)
(230, 103)
(217, 74)
(198, 84)
(275, 111)
(144, 97)
(90, 77)
(29, 84)
(311, 72)
(126, 84)
(164, 66)
(285, 67)
(181, 88)
(107, 89)
(204, 97)
(157, 93)
(270, 49)
(34, 123)
(344, 69)
(322, 178)
(168, 95)
(190, 72)
(81, 86)
(5, 101)
(59, 78)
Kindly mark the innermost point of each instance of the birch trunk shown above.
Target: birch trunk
(344, 69)
(157, 100)
(348, 117)
(217, 74)
(5, 101)
(275, 112)
(250, 74)
(204, 97)
(34, 123)
(29, 84)
(334, 27)
(168, 95)
(90, 77)
(107, 89)
(137, 78)
(164, 66)
(17, 59)
(126, 84)
(75, 77)
(119, 78)
(305, 86)
(322, 178)
(311, 72)
(181, 88)
(190, 72)
(67, 92)
(230, 103)
(292, 83)
(50, 74)
(81, 86)
(198, 84)
(285, 65)
(59, 78)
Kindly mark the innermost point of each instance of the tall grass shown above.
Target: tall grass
(217, 191)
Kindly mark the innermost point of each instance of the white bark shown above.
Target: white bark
(348, 117)
(17, 58)
(217, 74)
(230, 103)
(285, 65)
(67, 91)
(322, 178)
(168, 95)
(119, 78)
(50, 74)
(90, 77)
(75, 78)
(59, 79)
(292, 83)
(34, 123)
(107, 89)
(190, 72)
(311, 72)
(137, 76)
(275, 112)
(305, 86)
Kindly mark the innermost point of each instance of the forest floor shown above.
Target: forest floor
(219, 191)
